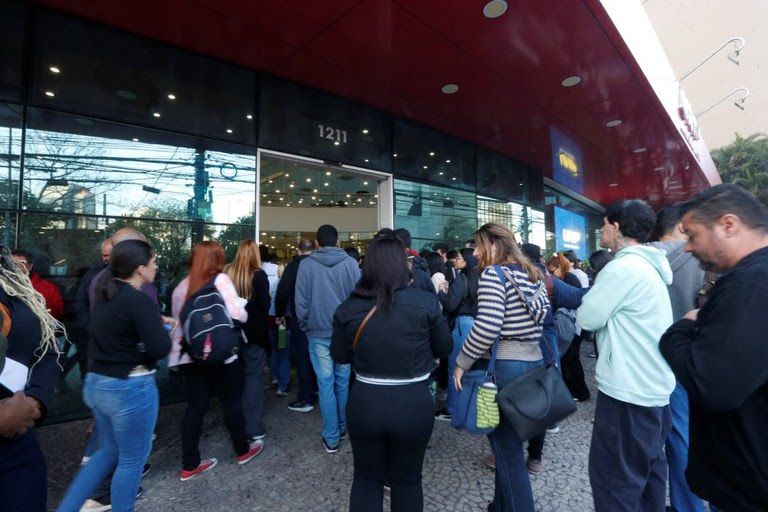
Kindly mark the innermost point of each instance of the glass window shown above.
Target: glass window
(435, 214)
(123, 172)
(430, 156)
(12, 22)
(571, 224)
(10, 154)
(502, 177)
(304, 121)
(113, 75)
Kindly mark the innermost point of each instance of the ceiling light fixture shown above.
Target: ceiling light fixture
(309, 180)
(660, 168)
(366, 160)
(613, 184)
(447, 161)
(365, 183)
(639, 150)
(431, 153)
(327, 173)
(156, 114)
(440, 173)
(54, 70)
(571, 81)
(325, 184)
(495, 8)
(365, 132)
(229, 130)
(395, 155)
(450, 89)
(50, 94)
(249, 116)
(135, 139)
(171, 96)
(337, 143)
(611, 124)
(425, 167)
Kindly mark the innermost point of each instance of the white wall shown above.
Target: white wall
(309, 219)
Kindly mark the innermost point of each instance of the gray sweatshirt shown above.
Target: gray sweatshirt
(325, 279)
(688, 277)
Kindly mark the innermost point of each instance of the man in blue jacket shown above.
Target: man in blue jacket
(629, 309)
(325, 279)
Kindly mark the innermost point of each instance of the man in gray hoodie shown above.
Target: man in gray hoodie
(688, 278)
(325, 279)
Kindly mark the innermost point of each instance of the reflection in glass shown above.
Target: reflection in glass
(525, 222)
(10, 153)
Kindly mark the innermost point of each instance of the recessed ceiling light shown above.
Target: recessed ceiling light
(425, 167)
(431, 153)
(454, 178)
(277, 191)
(640, 150)
(365, 183)
(269, 202)
(135, 139)
(613, 184)
(171, 96)
(571, 81)
(495, 8)
(615, 122)
(156, 114)
(450, 89)
(315, 191)
(440, 173)
(325, 184)
(366, 160)
(291, 185)
(249, 116)
(126, 95)
(661, 168)
(395, 155)
(447, 161)
(365, 132)
(349, 195)
(313, 198)
(229, 130)
(327, 173)
(337, 143)
(309, 180)
(50, 94)
(54, 70)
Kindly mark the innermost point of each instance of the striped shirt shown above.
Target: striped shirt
(501, 312)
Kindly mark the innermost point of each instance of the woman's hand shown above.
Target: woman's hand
(458, 373)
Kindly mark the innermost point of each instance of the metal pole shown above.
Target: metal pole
(733, 57)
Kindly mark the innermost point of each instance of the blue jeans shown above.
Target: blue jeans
(125, 411)
(680, 496)
(513, 486)
(460, 333)
(333, 384)
(280, 360)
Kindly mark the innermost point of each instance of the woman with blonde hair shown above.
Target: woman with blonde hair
(207, 266)
(511, 312)
(27, 385)
(252, 285)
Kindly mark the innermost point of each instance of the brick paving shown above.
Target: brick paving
(294, 473)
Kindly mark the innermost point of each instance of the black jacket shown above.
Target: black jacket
(286, 288)
(721, 359)
(256, 329)
(399, 342)
(23, 343)
(82, 302)
(421, 278)
(461, 299)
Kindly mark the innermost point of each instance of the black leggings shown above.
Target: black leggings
(201, 380)
(389, 427)
(573, 372)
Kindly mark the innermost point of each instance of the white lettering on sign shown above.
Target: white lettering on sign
(334, 134)
(571, 236)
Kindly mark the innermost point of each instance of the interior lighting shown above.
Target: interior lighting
(349, 195)
(365, 132)
(54, 70)
(249, 116)
(395, 155)
(313, 198)
(135, 139)
(156, 114)
(269, 202)
(291, 185)
(277, 191)
(315, 191)
(450, 88)
(440, 173)
(327, 173)
(325, 184)
(571, 81)
(171, 96)
(50, 94)
(431, 153)
(447, 161)
(495, 8)
(425, 167)
(613, 184)
(661, 168)
(454, 178)
(229, 130)
(611, 124)
(366, 160)
(309, 180)
(639, 150)
(365, 183)
(337, 143)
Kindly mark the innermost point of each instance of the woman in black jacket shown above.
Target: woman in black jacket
(252, 284)
(391, 334)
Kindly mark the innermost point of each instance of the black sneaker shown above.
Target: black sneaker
(329, 448)
(146, 469)
(301, 406)
(343, 435)
(443, 415)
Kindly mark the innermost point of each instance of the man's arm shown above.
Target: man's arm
(302, 293)
(600, 303)
(722, 358)
(567, 296)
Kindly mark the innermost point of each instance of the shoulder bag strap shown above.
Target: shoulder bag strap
(495, 347)
(523, 298)
(360, 328)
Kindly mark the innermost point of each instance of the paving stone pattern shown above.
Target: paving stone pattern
(294, 473)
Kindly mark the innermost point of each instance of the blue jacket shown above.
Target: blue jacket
(325, 279)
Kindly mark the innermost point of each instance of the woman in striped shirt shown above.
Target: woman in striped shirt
(502, 314)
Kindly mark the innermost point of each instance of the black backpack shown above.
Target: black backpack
(210, 336)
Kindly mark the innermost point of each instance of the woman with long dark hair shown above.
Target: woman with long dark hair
(391, 334)
(516, 322)
(127, 340)
(207, 266)
(252, 285)
(31, 351)
(437, 271)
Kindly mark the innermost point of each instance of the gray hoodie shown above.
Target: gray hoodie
(325, 279)
(688, 277)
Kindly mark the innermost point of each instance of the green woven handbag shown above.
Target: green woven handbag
(487, 408)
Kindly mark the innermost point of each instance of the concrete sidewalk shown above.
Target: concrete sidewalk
(294, 473)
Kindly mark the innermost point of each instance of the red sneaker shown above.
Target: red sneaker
(204, 466)
(256, 448)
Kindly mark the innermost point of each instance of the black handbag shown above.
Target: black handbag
(537, 399)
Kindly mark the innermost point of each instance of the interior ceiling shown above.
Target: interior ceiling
(397, 55)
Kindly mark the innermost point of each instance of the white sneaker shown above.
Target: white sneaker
(94, 506)
(554, 430)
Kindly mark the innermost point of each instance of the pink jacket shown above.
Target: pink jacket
(235, 307)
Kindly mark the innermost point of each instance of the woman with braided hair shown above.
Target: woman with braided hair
(27, 383)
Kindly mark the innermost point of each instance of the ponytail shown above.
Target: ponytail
(106, 287)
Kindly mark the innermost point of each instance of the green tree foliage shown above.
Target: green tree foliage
(745, 163)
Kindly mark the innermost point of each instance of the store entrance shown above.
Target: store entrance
(298, 195)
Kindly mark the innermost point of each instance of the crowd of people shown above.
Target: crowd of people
(382, 342)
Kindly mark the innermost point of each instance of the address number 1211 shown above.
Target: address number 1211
(334, 134)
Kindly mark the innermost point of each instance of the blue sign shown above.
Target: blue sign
(566, 161)
(571, 229)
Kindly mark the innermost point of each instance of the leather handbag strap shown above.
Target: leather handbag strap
(360, 328)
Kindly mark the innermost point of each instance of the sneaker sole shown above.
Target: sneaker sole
(302, 409)
(184, 479)
(103, 508)
(330, 450)
(443, 418)
(249, 459)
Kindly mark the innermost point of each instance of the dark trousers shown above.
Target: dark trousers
(536, 446)
(254, 359)
(304, 372)
(225, 379)
(573, 372)
(389, 427)
(23, 483)
(627, 465)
